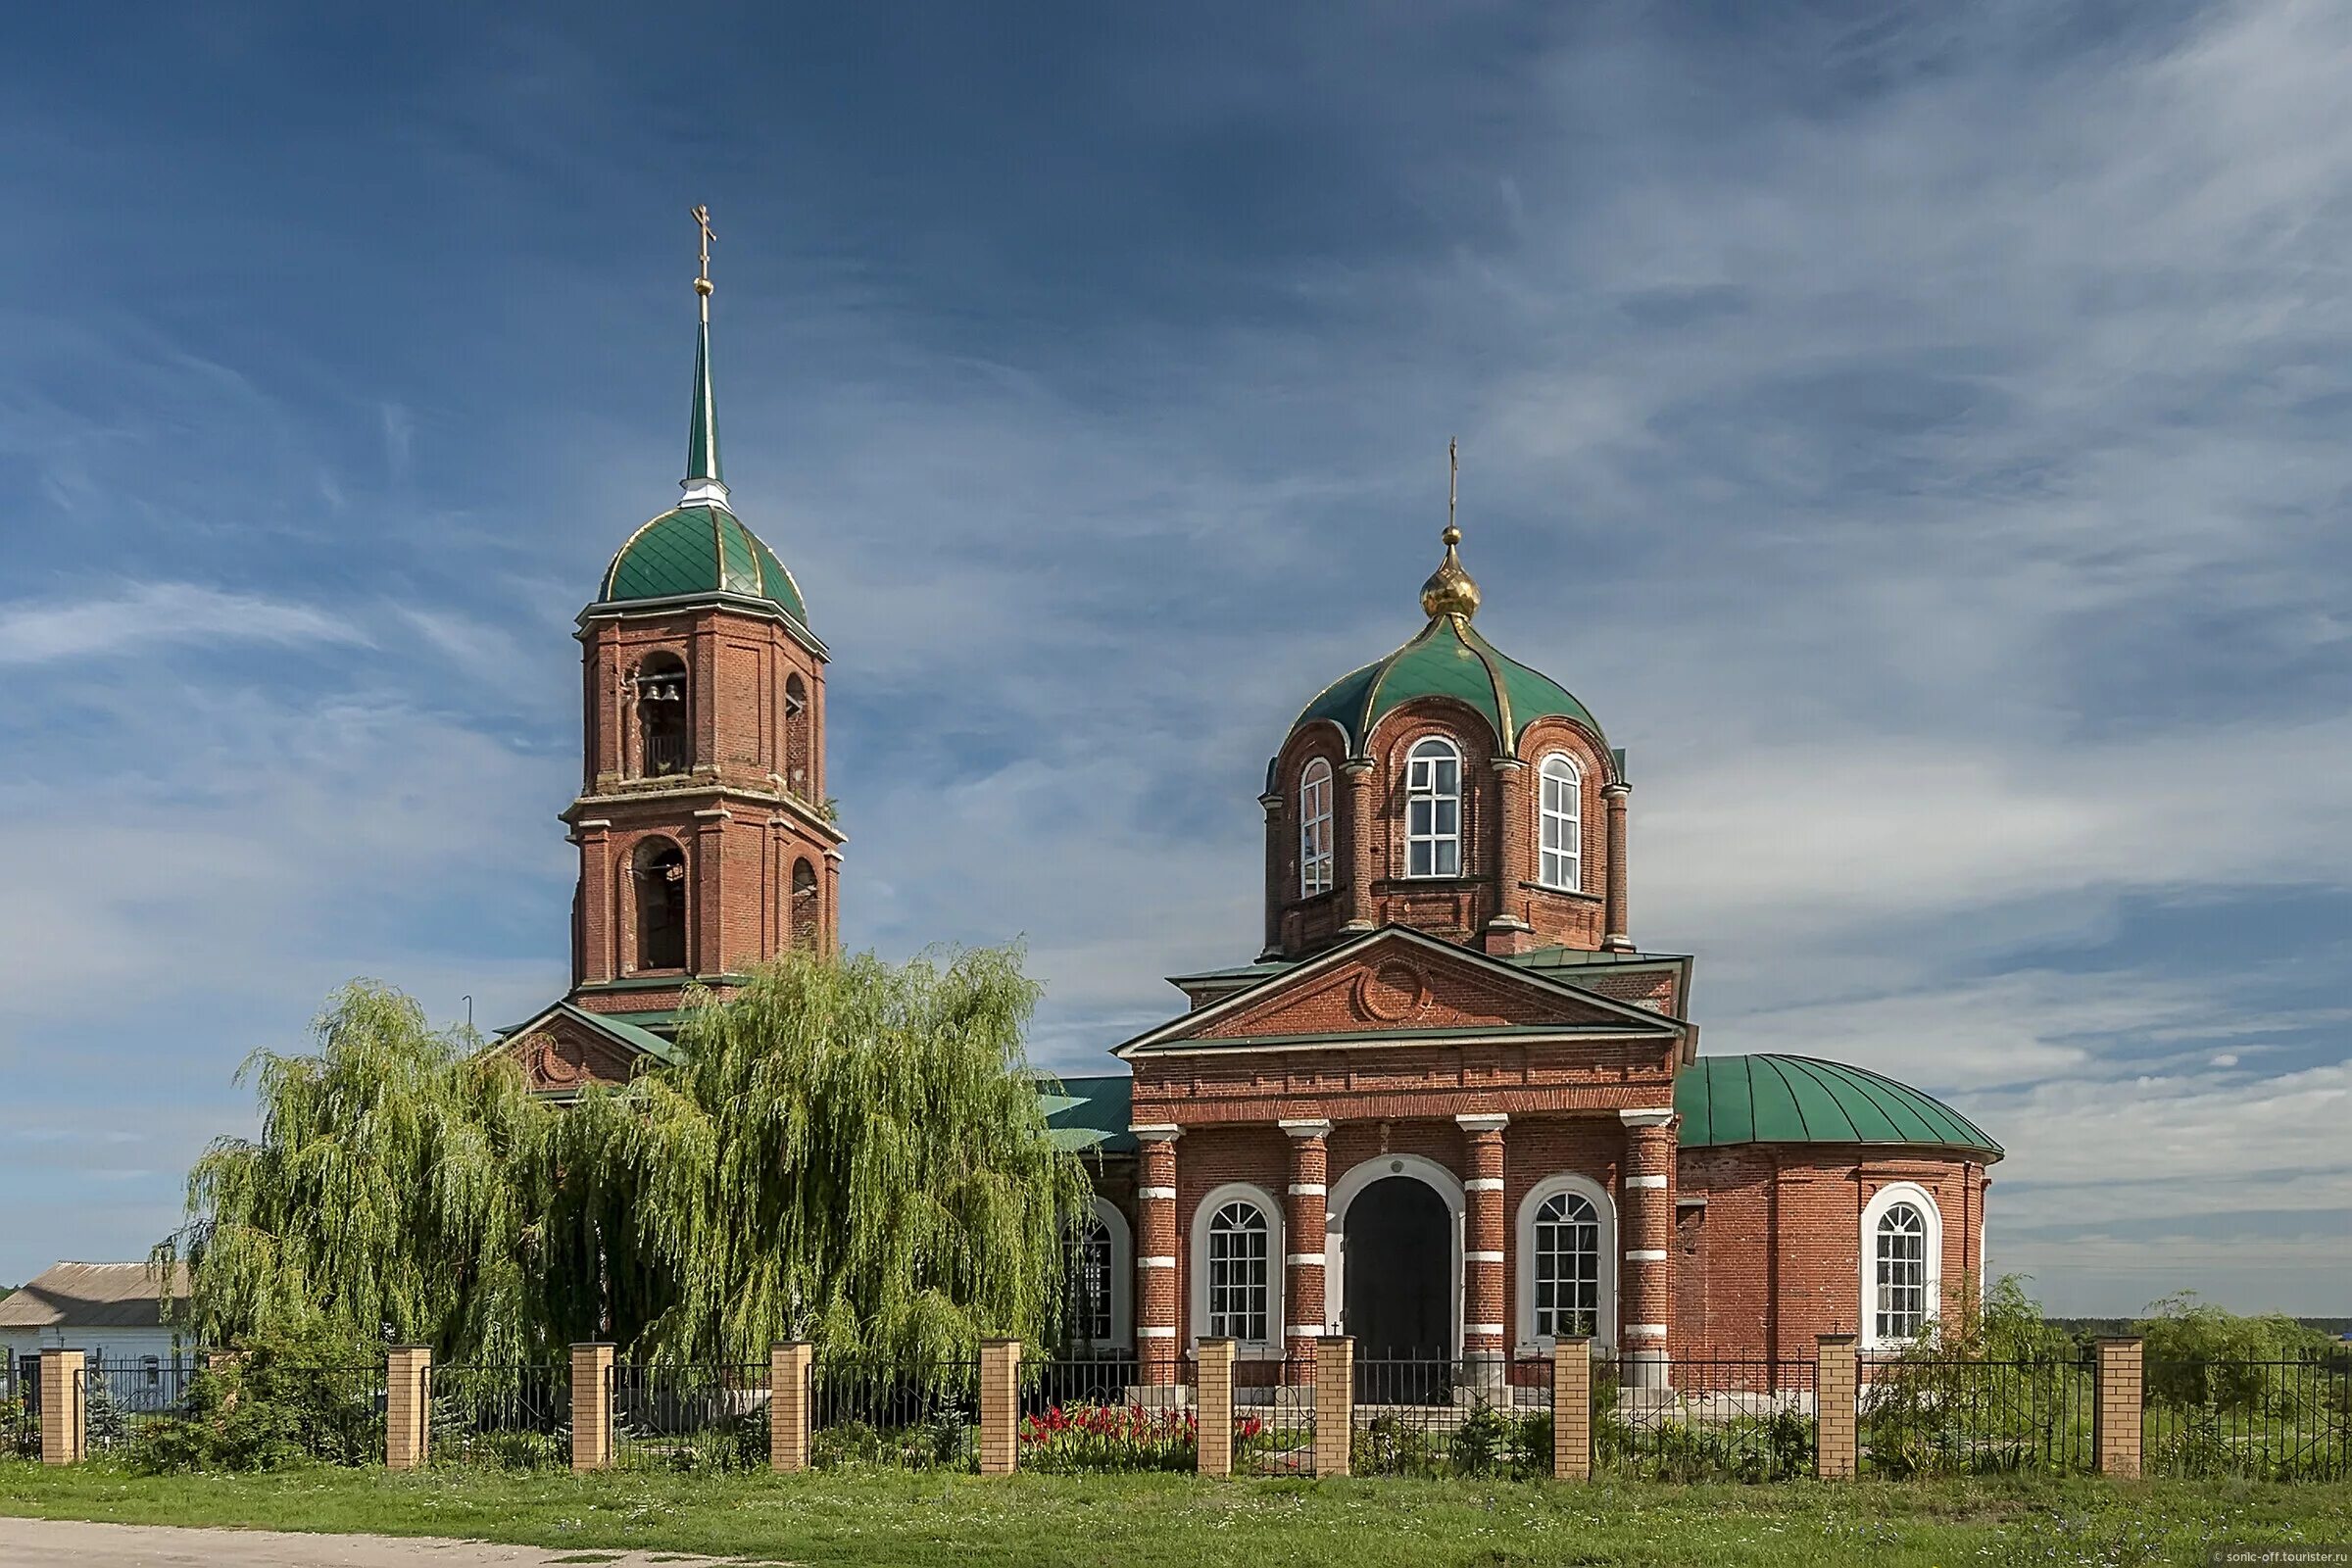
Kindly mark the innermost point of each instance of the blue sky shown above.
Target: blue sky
(1921, 440)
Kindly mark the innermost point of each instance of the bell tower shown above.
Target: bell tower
(706, 841)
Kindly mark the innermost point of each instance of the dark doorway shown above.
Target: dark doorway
(1399, 1290)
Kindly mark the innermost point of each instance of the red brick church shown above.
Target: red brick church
(1451, 1108)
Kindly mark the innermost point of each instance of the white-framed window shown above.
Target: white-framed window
(1561, 862)
(1098, 1269)
(1433, 808)
(1314, 829)
(1567, 1261)
(1237, 1267)
(1902, 1252)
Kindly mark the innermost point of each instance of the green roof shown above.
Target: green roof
(1449, 658)
(699, 549)
(1091, 1112)
(1798, 1099)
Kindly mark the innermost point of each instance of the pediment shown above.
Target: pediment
(1401, 982)
(562, 1053)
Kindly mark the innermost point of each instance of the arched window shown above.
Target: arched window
(797, 723)
(1097, 1268)
(1902, 1249)
(1433, 808)
(1314, 829)
(1562, 861)
(1567, 1268)
(663, 717)
(660, 873)
(806, 929)
(1241, 1272)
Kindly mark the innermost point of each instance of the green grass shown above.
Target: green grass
(1048, 1521)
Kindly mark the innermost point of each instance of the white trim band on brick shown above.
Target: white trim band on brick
(1169, 1262)
(1307, 1189)
(1483, 1184)
(1150, 1333)
(1645, 1254)
(1646, 1331)
(1304, 1330)
(1154, 1131)
(1482, 1258)
(1309, 1128)
(1481, 1122)
(1491, 1331)
(1647, 1183)
(1302, 1260)
(1148, 1194)
(1647, 1116)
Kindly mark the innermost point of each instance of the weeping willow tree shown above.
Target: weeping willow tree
(845, 1150)
(394, 1189)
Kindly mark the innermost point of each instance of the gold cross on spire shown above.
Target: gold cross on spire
(1453, 479)
(702, 279)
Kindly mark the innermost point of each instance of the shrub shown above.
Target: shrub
(279, 1403)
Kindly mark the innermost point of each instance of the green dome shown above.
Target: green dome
(1798, 1099)
(699, 548)
(1450, 658)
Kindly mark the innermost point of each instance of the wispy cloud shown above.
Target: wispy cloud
(147, 613)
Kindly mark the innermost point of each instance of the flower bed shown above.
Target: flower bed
(1061, 1439)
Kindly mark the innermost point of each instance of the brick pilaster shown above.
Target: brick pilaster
(1156, 1246)
(706, 905)
(1614, 920)
(591, 1406)
(1484, 1332)
(600, 918)
(1646, 1207)
(1834, 1450)
(1000, 1405)
(2118, 1401)
(1362, 834)
(1334, 1404)
(1214, 1401)
(1507, 931)
(1572, 1408)
(1278, 888)
(65, 1407)
(407, 1407)
(1304, 1304)
(788, 1405)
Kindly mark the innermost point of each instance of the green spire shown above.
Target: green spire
(703, 483)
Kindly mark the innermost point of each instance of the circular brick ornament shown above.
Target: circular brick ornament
(1393, 993)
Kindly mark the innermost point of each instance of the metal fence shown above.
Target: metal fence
(693, 1417)
(1725, 1418)
(2264, 1420)
(121, 1396)
(1481, 1416)
(1917, 1416)
(508, 1416)
(897, 1415)
(1085, 1413)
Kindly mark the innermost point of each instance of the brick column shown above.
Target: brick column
(1303, 1306)
(1507, 931)
(407, 1407)
(2117, 1398)
(1834, 1455)
(1613, 916)
(1484, 1331)
(1334, 1404)
(1572, 1408)
(828, 927)
(707, 907)
(600, 916)
(1213, 1397)
(1646, 1213)
(1000, 1405)
(788, 1405)
(1156, 1246)
(65, 1408)
(591, 1406)
(1278, 889)
(1362, 835)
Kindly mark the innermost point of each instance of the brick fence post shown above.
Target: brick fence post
(407, 1407)
(1833, 1394)
(1000, 1405)
(1213, 1399)
(2118, 1395)
(1334, 1404)
(65, 1408)
(1572, 1408)
(788, 1405)
(591, 1406)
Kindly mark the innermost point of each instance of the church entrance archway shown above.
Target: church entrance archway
(1398, 1288)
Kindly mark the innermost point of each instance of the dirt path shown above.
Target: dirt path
(41, 1543)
